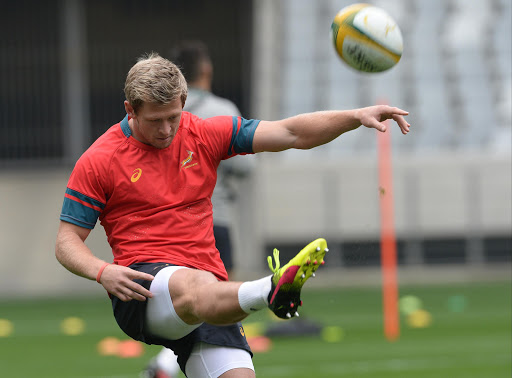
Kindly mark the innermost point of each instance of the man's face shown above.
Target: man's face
(155, 124)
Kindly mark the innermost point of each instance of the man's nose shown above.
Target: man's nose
(165, 128)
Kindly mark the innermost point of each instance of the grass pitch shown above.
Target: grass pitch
(469, 335)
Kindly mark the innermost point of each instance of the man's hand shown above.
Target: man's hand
(374, 116)
(118, 281)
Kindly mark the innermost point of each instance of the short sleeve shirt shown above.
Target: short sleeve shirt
(155, 204)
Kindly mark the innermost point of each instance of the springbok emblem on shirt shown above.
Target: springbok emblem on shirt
(187, 160)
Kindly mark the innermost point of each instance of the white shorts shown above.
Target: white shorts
(161, 317)
(212, 361)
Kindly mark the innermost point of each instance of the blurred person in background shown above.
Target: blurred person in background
(194, 61)
(149, 180)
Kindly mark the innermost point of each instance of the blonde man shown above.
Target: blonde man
(149, 180)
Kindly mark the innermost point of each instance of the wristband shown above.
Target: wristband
(101, 271)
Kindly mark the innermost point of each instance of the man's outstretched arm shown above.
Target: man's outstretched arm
(310, 130)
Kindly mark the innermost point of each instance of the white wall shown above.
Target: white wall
(30, 204)
(444, 194)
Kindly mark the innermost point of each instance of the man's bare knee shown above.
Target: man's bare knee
(184, 286)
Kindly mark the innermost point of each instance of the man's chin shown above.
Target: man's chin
(162, 143)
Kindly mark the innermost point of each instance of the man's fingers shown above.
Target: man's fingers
(137, 296)
(395, 110)
(142, 276)
(381, 126)
(125, 288)
(378, 126)
(137, 292)
(123, 295)
(131, 296)
(402, 123)
(136, 288)
(146, 293)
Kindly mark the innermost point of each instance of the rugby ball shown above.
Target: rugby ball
(366, 38)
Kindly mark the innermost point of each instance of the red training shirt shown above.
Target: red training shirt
(154, 204)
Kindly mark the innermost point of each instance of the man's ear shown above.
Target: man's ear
(129, 110)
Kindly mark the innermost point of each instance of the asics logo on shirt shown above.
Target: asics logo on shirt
(137, 172)
(187, 160)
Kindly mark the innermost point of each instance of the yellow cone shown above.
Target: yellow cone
(6, 328)
(419, 319)
(72, 326)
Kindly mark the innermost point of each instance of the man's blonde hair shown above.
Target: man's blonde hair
(154, 79)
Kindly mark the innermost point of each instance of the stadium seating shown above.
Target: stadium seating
(454, 76)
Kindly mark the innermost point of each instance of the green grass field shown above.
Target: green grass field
(470, 336)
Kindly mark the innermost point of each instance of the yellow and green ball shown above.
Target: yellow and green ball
(367, 38)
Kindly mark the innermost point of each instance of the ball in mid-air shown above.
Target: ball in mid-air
(367, 38)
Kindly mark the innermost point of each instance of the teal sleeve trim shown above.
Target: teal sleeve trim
(80, 209)
(82, 197)
(241, 138)
(77, 222)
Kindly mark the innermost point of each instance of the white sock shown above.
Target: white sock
(253, 295)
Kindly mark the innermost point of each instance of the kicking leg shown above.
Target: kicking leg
(193, 296)
(199, 297)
